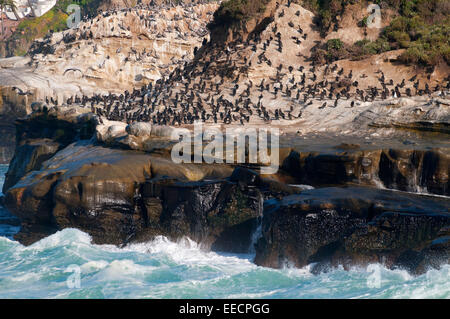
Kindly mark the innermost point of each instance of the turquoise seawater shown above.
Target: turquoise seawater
(6, 230)
(68, 265)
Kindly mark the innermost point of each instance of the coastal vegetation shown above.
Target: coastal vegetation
(4, 4)
(235, 11)
(421, 27)
(55, 20)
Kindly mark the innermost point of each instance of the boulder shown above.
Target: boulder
(353, 226)
(29, 157)
(407, 170)
(406, 240)
(90, 188)
(108, 132)
(37, 106)
(139, 129)
(245, 176)
(163, 131)
(100, 191)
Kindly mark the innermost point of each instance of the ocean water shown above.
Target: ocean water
(6, 229)
(68, 265)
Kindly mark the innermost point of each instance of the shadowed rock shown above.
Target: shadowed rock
(407, 170)
(220, 215)
(94, 189)
(29, 157)
(352, 226)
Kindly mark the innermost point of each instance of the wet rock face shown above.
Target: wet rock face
(406, 170)
(406, 240)
(86, 187)
(7, 143)
(221, 215)
(29, 157)
(298, 230)
(416, 170)
(55, 127)
(8, 114)
(314, 168)
(38, 139)
(354, 226)
(121, 196)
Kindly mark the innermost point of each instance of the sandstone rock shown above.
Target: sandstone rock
(114, 131)
(111, 130)
(316, 168)
(416, 170)
(128, 142)
(7, 143)
(298, 229)
(409, 169)
(40, 137)
(245, 176)
(114, 59)
(396, 236)
(78, 187)
(163, 131)
(37, 106)
(95, 189)
(139, 129)
(219, 214)
(120, 196)
(29, 157)
(44, 125)
(87, 117)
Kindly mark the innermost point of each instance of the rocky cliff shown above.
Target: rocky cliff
(348, 226)
(68, 177)
(115, 51)
(94, 150)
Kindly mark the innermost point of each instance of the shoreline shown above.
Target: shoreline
(120, 195)
(99, 110)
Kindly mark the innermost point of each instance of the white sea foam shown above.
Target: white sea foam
(165, 269)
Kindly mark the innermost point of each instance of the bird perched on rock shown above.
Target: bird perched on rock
(20, 91)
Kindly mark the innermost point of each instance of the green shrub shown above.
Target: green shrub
(422, 28)
(417, 30)
(334, 44)
(54, 20)
(334, 50)
(431, 46)
(238, 10)
(32, 28)
(363, 23)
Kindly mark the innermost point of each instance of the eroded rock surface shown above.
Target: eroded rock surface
(115, 51)
(95, 189)
(102, 165)
(355, 225)
(120, 196)
(407, 170)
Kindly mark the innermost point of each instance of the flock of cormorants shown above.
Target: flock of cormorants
(213, 88)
